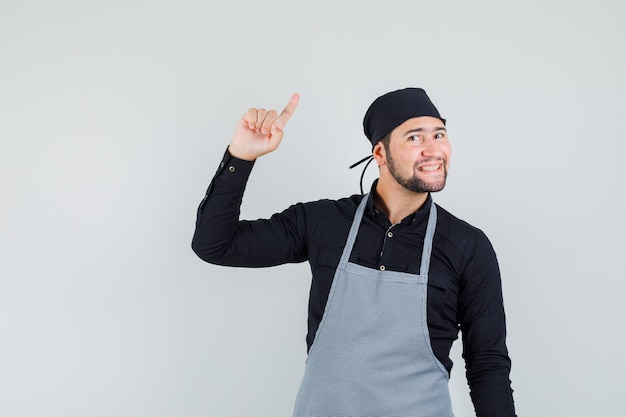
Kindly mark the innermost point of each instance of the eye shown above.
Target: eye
(415, 138)
(439, 135)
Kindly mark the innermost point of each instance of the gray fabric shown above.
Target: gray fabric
(372, 356)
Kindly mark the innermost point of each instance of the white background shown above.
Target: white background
(114, 116)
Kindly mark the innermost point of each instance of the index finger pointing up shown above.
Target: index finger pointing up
(286, 114)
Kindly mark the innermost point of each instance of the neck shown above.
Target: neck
(396, 201)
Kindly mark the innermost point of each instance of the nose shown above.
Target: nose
(430, 149)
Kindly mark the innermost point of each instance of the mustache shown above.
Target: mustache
(442, 160)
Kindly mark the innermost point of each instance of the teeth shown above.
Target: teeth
(430, 168)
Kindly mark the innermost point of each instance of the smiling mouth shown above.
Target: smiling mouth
(429, 168)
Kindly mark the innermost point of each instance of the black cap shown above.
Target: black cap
(392, 109)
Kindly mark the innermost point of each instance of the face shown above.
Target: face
(418, 154)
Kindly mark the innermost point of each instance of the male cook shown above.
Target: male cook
(394, 276)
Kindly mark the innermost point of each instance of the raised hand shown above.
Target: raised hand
(260, 131)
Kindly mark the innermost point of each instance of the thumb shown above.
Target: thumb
(276, 135)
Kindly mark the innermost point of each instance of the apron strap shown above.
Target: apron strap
(354, 230)
(428, 240)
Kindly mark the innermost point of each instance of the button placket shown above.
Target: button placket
(388, 235)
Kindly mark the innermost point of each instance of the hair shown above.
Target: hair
(386, 140)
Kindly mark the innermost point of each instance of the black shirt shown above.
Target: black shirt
(464, 287)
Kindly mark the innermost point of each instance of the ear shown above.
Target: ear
(379, 154)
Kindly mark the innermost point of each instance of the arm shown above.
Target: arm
(483, 326)
(220, 237)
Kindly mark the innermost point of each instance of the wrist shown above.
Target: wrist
(239, 153)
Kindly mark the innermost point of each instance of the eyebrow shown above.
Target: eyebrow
(425, 129)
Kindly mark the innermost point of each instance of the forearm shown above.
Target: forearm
(222, 238)
(492, 395)
(218, 213)
(488, 378)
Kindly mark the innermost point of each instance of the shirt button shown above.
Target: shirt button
(222, 164)
(231, 168)
(389, 234)
(382, 267)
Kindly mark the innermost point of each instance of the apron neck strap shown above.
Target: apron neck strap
(428, 239)
(354, 230)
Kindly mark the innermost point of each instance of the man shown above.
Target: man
(395, 277)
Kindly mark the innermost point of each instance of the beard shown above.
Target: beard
(413, 182)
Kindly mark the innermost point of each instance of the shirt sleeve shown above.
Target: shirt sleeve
(483, 327)
(222, 238)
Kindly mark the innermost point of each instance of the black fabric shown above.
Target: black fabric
(392, 109)
(464, 289)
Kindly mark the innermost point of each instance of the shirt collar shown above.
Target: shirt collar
(421, 213)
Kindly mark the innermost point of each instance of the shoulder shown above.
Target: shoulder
(312, 212)
(460, 234)
(328, 217)
(329, 207)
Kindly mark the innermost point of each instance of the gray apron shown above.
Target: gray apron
(372, 356)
